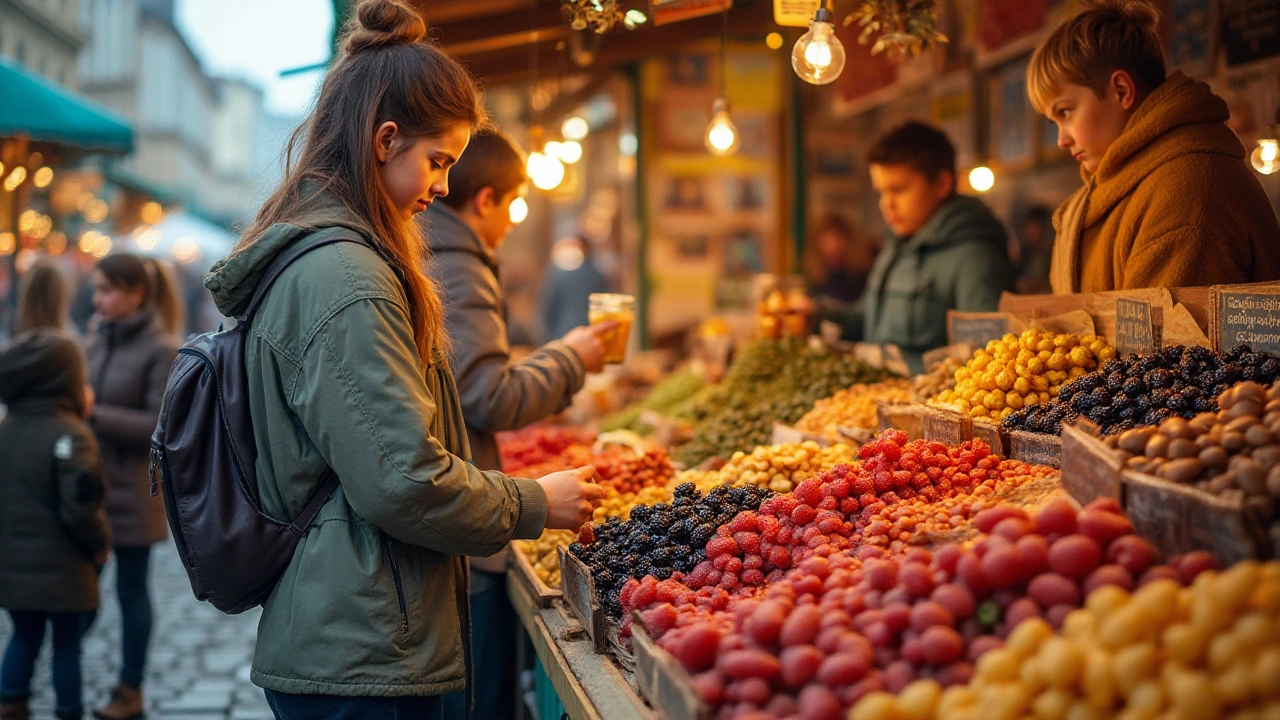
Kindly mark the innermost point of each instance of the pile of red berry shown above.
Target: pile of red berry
(537, 445)
(828, 631)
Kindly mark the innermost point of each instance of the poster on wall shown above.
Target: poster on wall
(1014, 124)
(1250, 30)
(1189, 43)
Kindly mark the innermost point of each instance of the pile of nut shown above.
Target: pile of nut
(853, 407)
(936, 381)
(781, 467)
(1235, 450)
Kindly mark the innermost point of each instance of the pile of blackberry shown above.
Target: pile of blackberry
(661, 539)
(1137, 391)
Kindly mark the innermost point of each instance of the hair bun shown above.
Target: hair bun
(1139, 12)
(379, 23)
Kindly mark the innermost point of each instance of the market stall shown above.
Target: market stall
(898, 547)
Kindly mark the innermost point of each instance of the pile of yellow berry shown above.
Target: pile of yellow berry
(541, 553)
(853, 407)
(1208, 651)
(1017, 371)
(781, 467)
(703, 480)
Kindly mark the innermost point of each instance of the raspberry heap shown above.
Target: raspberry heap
(1177, 381)
(660, 539)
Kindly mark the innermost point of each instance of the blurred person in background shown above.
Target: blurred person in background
(130, 352)
(1035, 250)
(837, 261)
(464, 231)
(44, 299)
(569, 280)
(54, 534)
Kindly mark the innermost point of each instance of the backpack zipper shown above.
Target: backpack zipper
(395, 575)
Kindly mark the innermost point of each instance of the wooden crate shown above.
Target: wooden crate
(1035, 448)
(1090, 470)
(856, 435)
(662, 680)
(995, 436)
(947, 426)
(907, 417)
(1178, 518)
(580, 595)
(543, 594)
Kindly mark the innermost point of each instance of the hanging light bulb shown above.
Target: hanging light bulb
(818, 56)
(574, 128)
(982, 178)
(1266, 157)
(722, 135)
(545, 170)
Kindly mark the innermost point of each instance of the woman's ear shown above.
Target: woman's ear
(384, 139)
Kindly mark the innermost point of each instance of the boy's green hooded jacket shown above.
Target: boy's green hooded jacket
(374, 602)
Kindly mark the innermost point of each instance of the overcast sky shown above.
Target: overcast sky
(256, 39)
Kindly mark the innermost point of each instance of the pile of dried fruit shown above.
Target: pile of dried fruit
(742, 410)
(669, 393)
(538, 444)
(1177, 381)
(1017, 371)
(853, 407)
(1193, 653)
(937, 381)
(1235, 450)
(542, 553)
(781, 467)
(835, 628)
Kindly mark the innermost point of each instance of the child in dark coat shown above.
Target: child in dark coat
(53, 528)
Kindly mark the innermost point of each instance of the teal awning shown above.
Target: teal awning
(31, 106)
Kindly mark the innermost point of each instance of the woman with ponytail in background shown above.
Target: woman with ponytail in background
(129, 353)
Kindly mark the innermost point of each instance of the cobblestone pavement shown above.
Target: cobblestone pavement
(199, 663)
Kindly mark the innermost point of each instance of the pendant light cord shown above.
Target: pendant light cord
(724, 40)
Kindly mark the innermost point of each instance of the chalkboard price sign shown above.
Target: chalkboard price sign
(976, 329)
(1251, 319)
(1135, 332)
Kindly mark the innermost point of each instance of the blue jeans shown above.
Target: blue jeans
(20, 659)
(495, 630)
(133, 565)
(337, 707)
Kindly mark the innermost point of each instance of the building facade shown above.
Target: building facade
(42, 36)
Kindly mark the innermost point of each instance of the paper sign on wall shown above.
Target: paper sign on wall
(794, 13)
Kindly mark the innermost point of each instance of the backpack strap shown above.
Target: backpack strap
(303, 521)
(328, 236)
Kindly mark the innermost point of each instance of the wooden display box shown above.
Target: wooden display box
(995, 436)
(1090, 470)
(856, 435)
(579, 591)
(907, 417)
(1178, 518)
(543, 594)
(1035, 448)
(662, 680)
(946, 426)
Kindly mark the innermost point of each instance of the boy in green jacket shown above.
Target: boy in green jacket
(943, 251)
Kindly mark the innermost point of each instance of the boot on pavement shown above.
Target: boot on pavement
(126, 704)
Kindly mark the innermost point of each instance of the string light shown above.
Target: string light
(519, 210)
(574, 128)
(773, 40)
(151, 213)
(1266, 157)
(8, 243)
(43, 177)
(982, 178)
(571, 151)
(818, 56)
(15, 178)
(545, 170)
(185, 250)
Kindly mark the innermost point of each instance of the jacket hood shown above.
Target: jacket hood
(233, 279)
(46, 366)
(446, 231)
(1181, 117)
(961, 219)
